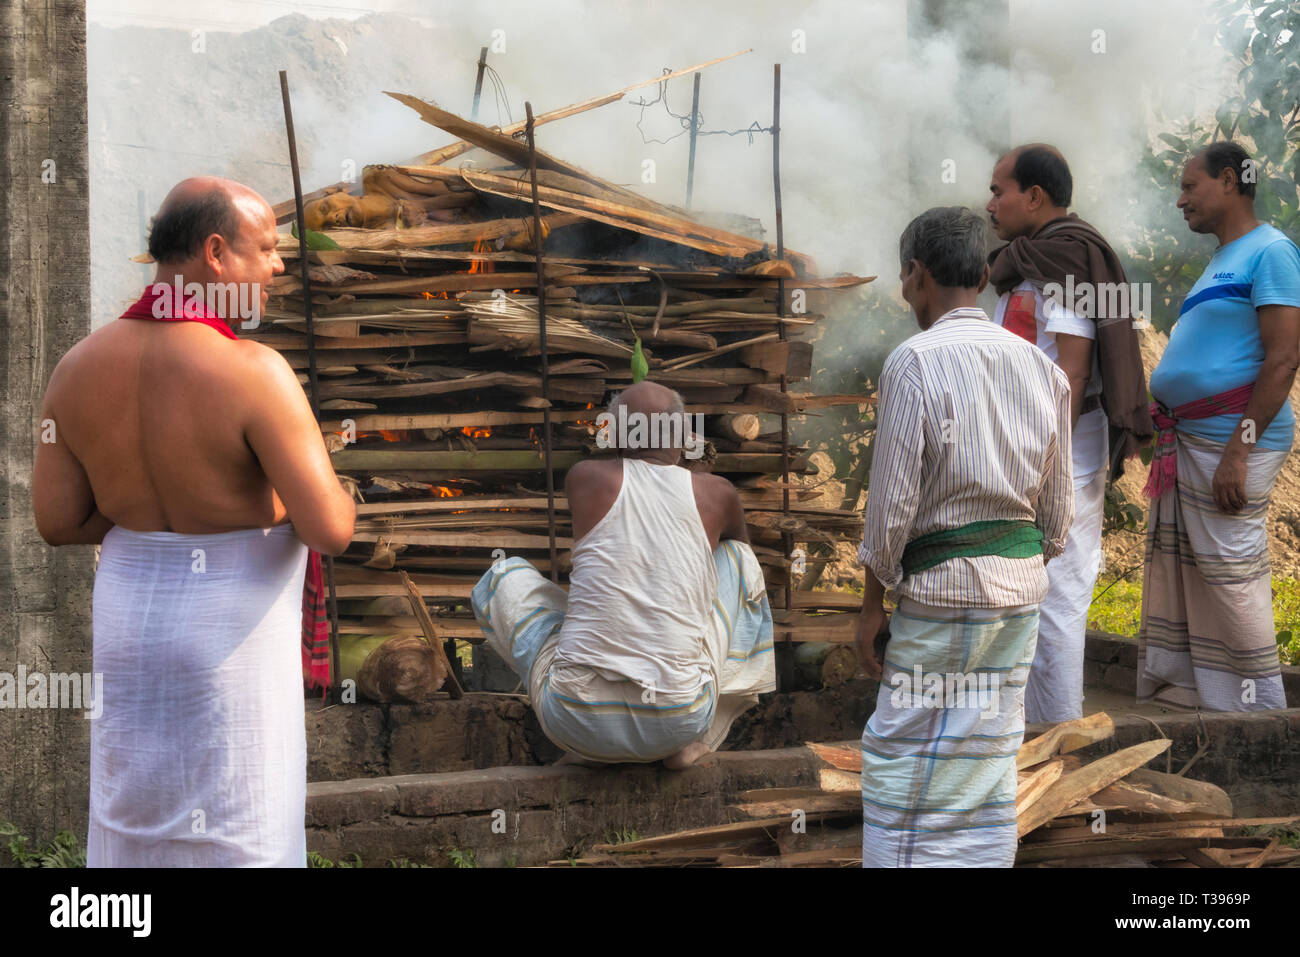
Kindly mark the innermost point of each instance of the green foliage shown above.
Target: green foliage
(63, 851)
(1117, 608)
(1264, 114)
(1119, 514)
(461, 858)
(621, 836)
(317, 860)
(316, 241)
(404, 862)
(640, 367)
(1286, 619)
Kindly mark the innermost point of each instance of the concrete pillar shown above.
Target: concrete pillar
(45, 593)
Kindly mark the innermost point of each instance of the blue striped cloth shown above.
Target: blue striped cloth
(939, 752)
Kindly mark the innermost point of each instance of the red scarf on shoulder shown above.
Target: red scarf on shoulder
(160, 302)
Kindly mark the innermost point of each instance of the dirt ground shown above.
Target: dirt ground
(1123, 550)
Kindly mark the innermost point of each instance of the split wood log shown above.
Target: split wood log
(1033, 785)
(1087, 781)
(1065, 737)
(431, 634)
(403, 670)
(742, 427)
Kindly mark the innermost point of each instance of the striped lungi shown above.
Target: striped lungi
(1207, 638)
(939, 752)
(521, 613)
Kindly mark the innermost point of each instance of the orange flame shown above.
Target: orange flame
(476, 432)
(478, 266)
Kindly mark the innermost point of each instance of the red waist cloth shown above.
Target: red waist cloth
(1164, 462)
(160, 303)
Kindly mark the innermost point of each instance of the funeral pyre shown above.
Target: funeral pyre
(427, 342)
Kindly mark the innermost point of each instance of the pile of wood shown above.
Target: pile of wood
(1110, 812)
(427, 345)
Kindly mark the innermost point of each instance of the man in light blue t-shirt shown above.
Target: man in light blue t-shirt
(1226, 426)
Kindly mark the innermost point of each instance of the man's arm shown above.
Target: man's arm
(1056, 498)
(733, 515)
(1074, 357)
(62, 499)
(285, 437)
(1279, 329)
(892, 500)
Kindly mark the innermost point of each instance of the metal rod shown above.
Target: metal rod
(332, 602)
(478, 82)
(541, 328)
(787, 540)
(695, 129)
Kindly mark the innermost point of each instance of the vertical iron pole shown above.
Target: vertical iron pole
(311, 365)
(787, 540)
(478, 82)
(541, 327)
(695, 128)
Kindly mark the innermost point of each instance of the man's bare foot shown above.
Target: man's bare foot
(693, 755)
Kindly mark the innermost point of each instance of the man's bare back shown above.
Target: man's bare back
(592, 488)
(172, 427)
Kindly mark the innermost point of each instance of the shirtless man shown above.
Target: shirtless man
(187, 452)
(665, 634)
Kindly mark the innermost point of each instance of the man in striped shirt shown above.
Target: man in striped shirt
(970, 497)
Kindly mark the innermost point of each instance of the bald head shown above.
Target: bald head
(649, 421)
(648, 398)
(199, 208)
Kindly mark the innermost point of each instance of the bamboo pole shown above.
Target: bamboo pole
(695, 129)
(787, 540)
(332, 602)
(541, 332)
(478, 82)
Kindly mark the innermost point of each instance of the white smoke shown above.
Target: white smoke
(866, 114)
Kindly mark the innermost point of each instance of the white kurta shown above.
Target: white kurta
(199, 758)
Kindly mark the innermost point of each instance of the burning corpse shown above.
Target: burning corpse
(665, 635)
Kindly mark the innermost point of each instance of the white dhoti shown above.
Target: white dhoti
(199, 758)
(1055, 689)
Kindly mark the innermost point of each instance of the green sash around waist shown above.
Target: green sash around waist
(1018, 539)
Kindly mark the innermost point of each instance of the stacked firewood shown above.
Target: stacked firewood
(1110, 812)
(427, 343)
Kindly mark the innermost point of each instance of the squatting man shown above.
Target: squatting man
(665, 634)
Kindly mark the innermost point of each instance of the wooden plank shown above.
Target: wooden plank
(1088, 780)
(846, 759)
(1202, 795)
(1035, 784)
(1065, 737)
(431, 634)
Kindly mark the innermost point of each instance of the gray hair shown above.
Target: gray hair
(950, 242)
